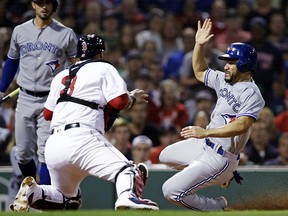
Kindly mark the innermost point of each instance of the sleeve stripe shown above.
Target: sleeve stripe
(206, 76)
(12, 57)
(247, 114)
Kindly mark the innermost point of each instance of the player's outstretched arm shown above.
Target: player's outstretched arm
(237, 127)
(203, 35)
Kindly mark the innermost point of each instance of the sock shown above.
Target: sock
(28, 169)
(44, 175)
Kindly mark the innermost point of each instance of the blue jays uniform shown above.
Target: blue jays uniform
(203, 166)
(43, 53)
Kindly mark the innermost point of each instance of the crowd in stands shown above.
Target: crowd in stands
(151, 43)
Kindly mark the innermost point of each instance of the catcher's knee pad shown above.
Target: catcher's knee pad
(135, 176)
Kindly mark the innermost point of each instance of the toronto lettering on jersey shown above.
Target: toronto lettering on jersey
(230, 98)
(50, 47)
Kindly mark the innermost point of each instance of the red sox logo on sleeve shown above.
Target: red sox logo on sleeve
(228, 118)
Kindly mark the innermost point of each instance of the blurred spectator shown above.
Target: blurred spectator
(127, 39)
(157, 74)
(128, 10)
(141, 147)
(171, 111)
(266, 115)
(5, 35)
(14, 12)
(4, 22)
(91, 28)
(155, 24)
(149, 53)
(139, 124)
(201, 118)
(244, 9)
(233, 31)
(174, 61)
(110, 29)
(144, 82)
(90, 12)
(282, 159)
(263, 8)
(173, 6)
(171, 37)
(167, 136)
(204, 101)
(133, 68)
(119, 135)
(188, 81)
(139, 22)
(217, 15)
(115, 58)
(269, 76)
(281, 120)
(190, 15)
(279, 38)
(260, 150)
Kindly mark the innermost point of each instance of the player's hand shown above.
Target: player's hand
(193, 131)
(140, 95)
(203, 33)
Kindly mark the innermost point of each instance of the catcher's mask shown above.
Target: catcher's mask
(54, 3)
(244, 54)
(89, 45)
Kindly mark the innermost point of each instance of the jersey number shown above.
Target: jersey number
(71, 86)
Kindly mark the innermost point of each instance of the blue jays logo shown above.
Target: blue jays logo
(228, 118)
(53, 64)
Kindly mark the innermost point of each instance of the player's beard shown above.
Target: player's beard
(44, 16)
(233, 77)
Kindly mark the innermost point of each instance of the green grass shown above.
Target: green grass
(152, 213)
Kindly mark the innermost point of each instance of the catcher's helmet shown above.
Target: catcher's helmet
(244, 53)
(54, 3)
(89, 45)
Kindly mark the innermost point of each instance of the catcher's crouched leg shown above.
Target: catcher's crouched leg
(42, 197)
(131, 178)
(130, 182)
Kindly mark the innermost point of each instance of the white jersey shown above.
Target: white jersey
(97, 82)
(234, 101)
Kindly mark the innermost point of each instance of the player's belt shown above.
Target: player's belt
(66, 127)
(217, 148)
(35, 94)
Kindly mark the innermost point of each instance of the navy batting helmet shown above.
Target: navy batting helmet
(244, 53)
(54, 3)
(89, 45)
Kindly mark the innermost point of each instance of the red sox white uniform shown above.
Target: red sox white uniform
(81, 151)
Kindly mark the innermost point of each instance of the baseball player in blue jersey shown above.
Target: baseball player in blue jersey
(209, 157)
(39, 48)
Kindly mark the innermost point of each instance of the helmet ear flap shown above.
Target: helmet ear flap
(243, 67)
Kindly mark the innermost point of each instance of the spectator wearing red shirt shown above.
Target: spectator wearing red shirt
(167, 136)
(282, 118)
(171, 110)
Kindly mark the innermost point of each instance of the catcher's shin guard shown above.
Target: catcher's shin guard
(132, 178)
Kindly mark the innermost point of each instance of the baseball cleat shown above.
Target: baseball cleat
(223, 202)
(135, 204)
(21, 201)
